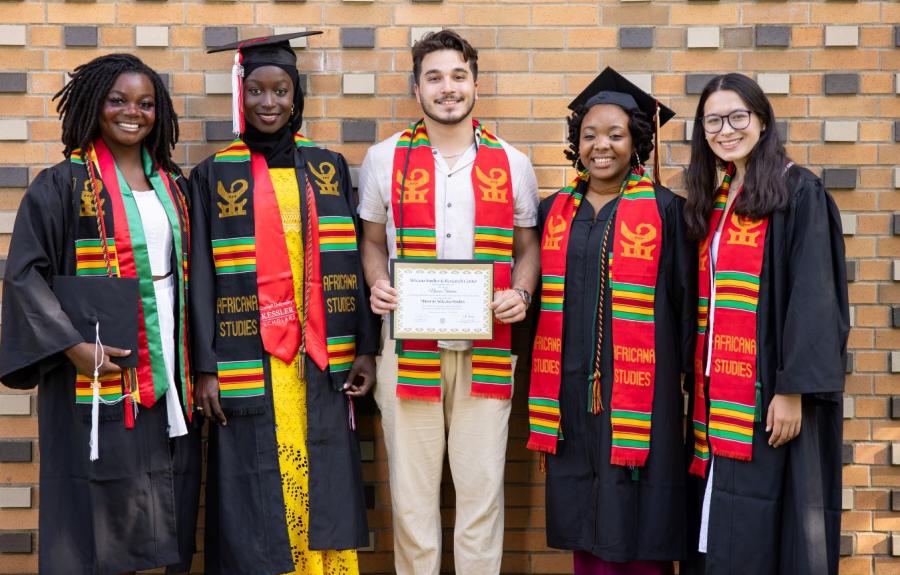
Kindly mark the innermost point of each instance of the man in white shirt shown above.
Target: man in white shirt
(450, 166)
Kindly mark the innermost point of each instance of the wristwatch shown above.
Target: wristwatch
(526, 297)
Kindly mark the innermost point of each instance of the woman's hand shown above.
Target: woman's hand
(82, 356)
(206, 397)
(784, 418)
(364, 367)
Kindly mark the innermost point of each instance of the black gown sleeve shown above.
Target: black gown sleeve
(202, 294)
(368, 326)
(816, 317)
(683, 286)
(35, 329)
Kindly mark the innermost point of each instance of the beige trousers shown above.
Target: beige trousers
(416, 433)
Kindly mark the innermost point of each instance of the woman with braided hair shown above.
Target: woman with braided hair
(94, 315)
(614, 341)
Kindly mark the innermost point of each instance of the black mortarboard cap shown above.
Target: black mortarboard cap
(263, 51)
(274, 50)
(610, 87)
(111, 301)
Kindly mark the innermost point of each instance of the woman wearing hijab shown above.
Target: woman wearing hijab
(283, 333)
(614, 341)
(772, 331)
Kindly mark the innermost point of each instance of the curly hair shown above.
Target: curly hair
(639, 126)
(81, 100)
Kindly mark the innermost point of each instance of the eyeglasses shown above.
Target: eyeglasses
(737, 119)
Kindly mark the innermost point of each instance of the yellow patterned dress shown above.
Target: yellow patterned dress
(289, 398)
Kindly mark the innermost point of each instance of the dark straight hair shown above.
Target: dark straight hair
(764, 186)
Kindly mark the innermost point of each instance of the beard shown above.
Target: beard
(431, 110)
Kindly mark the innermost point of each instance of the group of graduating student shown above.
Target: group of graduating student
(256, 288)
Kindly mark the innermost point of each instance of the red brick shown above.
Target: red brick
(551, 563)
(872, 543)
(855, 565)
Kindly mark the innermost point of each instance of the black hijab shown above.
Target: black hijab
(276, 147)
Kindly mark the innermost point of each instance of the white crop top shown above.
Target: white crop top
(157, 231)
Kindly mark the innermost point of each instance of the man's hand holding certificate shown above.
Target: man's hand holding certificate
(444, 300)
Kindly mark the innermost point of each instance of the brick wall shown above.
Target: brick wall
(831, 68)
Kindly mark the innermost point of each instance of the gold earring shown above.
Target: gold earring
(580, 168)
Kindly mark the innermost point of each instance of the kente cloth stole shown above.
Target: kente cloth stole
(419, 362)
(127, 249)
(634, 268)
(734, 389)
(255, 308)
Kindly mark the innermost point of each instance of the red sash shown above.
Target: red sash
(734, 390)
(634, 268)
(279, 324)
(418, 362)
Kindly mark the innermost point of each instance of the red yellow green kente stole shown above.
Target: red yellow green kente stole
(419, 363)
(149, 381)
(734, 389)
(634, 268)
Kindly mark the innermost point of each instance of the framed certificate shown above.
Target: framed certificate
(443, 299)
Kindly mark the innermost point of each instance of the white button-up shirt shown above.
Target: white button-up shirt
(454, 199)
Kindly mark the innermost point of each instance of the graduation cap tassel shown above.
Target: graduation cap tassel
(656, 176)
(94, 442)
(237, 95)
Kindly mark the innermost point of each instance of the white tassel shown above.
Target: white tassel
(352, 414)
(237, 95)
(95, 398)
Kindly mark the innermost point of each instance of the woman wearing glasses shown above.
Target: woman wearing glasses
(772, 331)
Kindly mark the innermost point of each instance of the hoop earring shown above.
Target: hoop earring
(635, 160)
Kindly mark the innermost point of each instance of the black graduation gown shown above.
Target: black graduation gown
(780, 514)
(245, 520)
(592, 505)
(134, 508)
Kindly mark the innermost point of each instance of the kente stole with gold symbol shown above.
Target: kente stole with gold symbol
(419, 362)
(128, 257)
(735, 393)
(248, 244)
(633, 270)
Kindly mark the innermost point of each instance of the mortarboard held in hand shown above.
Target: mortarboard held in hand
(111, 302)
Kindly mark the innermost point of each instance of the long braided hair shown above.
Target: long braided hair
(82, 98)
